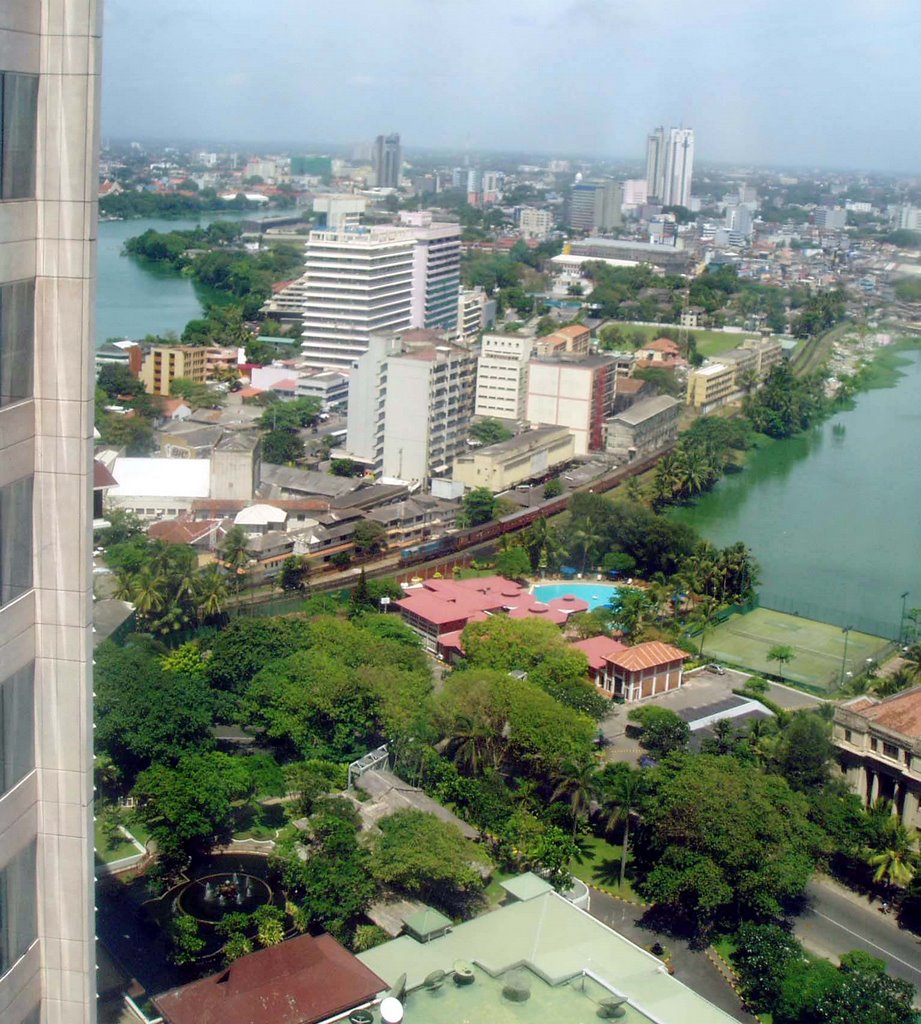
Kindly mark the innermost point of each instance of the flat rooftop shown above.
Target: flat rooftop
(565, 952)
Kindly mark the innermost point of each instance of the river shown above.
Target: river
(834, 515)
(135, 298)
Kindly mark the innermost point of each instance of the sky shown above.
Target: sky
(823, 83)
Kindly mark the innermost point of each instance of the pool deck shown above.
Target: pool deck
(556, 941)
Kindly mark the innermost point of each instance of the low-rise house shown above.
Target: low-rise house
(645, 670)
(598, 649)
(879, 749)
(203, 534)
(159, 488)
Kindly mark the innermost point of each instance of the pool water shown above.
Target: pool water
(573, 1002)
(596, 594)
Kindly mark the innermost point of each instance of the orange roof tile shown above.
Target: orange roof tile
(901, 713)
(648, 655)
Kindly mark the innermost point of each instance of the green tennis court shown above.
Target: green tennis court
(818, 647)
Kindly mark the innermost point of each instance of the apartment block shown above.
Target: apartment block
(476, 312)
(533, 223)
(164, 363)
(49, 76)
(411, 401)
(573, 393)
(502, 376)
(436, 270)
(596, 205)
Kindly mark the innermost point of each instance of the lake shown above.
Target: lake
(834, 515)
(135, 298)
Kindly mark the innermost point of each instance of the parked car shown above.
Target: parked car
(718, 669)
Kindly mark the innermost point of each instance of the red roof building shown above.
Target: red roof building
(301, 981)
(440, 609)
(597, 649)
(645, 670)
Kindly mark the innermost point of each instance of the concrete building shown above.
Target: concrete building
(655, 164)
(436, 270)
(573, 393)
(387, 161)
(337, 212)
(476, 312)
(533, 223)
(287, 304)
(236, 466)
(670, 165)
(642, 429)
(670, 258)
(738, 371)
(49, 152)
(411, 400)
(711, 385)
(573, 340)
(831, 218)
(596, 205)
(645, 670)
(159, 488)
(502, 376)
(879, 748)
(358, 282)
(331, 387)
(528, 456)
(164, 363)
(636, 192)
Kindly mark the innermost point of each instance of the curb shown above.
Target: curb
(729, 976)
(616, 896)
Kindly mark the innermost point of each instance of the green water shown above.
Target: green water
(833, 516)
(134, 297)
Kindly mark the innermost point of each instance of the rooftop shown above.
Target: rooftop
(301, 981)
(648, 655)
(901, 713)
(161, 478)
(645, 408)
(597, 649)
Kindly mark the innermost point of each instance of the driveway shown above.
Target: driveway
(839, 920)
(692, 967)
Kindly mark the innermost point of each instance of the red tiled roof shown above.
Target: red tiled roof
(572, 330)
(663, 345)
(629, 385)
(301, 981)
(597, 648)
(648, 655)
(175, 531)
(901, 713)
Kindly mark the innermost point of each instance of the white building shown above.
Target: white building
(159, 488)
(636, 192)
(411, 402)
(573, 393)
(502, 376)
(670, 165)
(49, 154)
(337, 212)
(331, 387)
(476, 311)
(358, 283)
(533, 223)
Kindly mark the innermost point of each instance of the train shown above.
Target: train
(454, 542)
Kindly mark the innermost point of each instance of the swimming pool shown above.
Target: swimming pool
(596, 594)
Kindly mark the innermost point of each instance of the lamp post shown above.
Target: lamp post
(902, 618)
(846, 631)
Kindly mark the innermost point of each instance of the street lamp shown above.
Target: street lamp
(846, 631)
(902, 617)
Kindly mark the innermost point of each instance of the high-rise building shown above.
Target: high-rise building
(577, 393)
(387, 161)
(411, 400)
(502, 376)
(357, 282)
(436, 270)
(49, 75)
(534, 223)
(596, 205)
(670, 165)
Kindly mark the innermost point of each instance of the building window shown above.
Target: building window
(890, 750)
(17, 327)
(17, 727)
(18, 899)
(18, 110)
(847, 735)
(15, 539)
(873, 743)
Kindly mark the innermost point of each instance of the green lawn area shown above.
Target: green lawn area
(598, 863)
(709, 343)
(108, 852)
(818, 647)
(258, 821)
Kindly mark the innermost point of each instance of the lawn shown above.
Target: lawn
(709, 343)
(598, 863)
(108, 851)
(258, 821)
(818, 647)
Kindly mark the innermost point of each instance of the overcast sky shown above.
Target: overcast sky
(830, 83)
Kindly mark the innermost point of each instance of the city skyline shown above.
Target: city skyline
(812, 85)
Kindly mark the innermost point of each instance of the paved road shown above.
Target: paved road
(839, 921)
(691, 966)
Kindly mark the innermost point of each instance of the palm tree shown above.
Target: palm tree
(585, 537)
(897, 863)
(702, 616)
(781, 653)
(235, 554)
(762, 737)
(149, 592)
(725, 736)
(578, 784)
(210, 592)
(899, 680)
(124, 586)
(912, 659)
(620, 800)
(471, 743)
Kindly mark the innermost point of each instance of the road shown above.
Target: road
(839, 921)
(692, 967)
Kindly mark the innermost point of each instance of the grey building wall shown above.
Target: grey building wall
(49, 56)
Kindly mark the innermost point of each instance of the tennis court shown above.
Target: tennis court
(818, 647)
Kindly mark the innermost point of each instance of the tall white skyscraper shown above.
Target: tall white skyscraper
(670, 165)
(387, 161)
(49, 151)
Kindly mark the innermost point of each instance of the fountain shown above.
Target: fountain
(209, 898)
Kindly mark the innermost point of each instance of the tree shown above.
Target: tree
(782, 654)
(479, 506)
(621, 789)
(490, 431)
(281, 446)
(513, 564)
(295, 573)
(762, 958)
(185, 942)
(345, 467)
(721, 840)
(805, 751)
(360, 599)
(553, 488)
(369, 537)
(235, 554)
(426, 858)
(897, 860)
(577, 784)
(663, 730)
